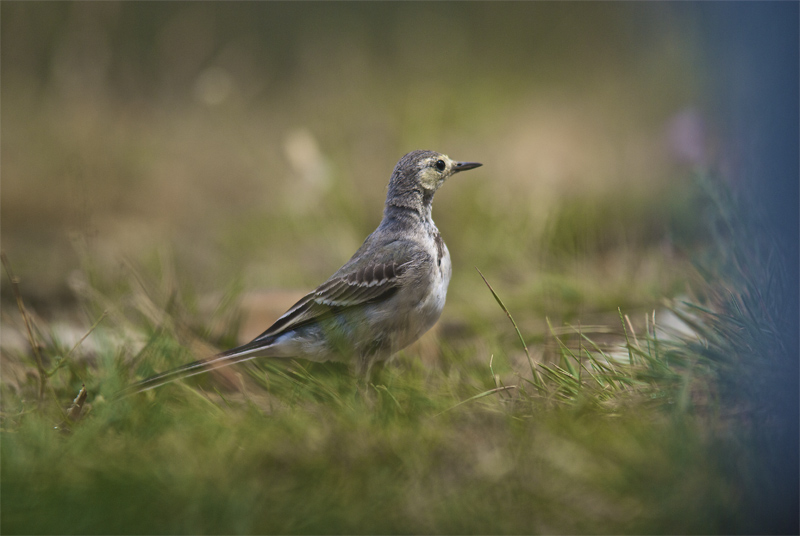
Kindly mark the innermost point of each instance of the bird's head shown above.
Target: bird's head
(416, 178)
(427, 170)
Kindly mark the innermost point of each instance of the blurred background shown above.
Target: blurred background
(231, 156)
(253, 142)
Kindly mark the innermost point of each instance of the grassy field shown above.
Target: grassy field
(174, 175)
(658, 438)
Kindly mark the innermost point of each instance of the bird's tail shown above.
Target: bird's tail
(251, 350)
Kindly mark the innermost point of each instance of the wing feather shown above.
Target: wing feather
(351, 289)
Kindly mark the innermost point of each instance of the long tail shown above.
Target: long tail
(239, 354)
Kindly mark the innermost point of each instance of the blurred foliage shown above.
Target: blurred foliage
(255, 140)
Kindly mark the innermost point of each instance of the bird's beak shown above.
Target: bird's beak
(463, 166)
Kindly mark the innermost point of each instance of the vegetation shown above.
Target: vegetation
(618, 364)
(583, 439)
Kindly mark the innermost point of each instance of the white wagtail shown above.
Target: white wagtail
(384, 298)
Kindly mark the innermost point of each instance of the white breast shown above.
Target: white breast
(430, 307)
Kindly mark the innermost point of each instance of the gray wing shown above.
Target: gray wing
(360, 281)
(364, 284)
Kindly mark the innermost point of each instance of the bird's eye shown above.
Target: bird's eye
(440, 165)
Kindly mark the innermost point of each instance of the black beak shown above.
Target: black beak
(463, 166)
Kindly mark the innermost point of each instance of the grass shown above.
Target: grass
(581, 438)
(325, 454)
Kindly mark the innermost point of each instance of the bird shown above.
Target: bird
(390, 292)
